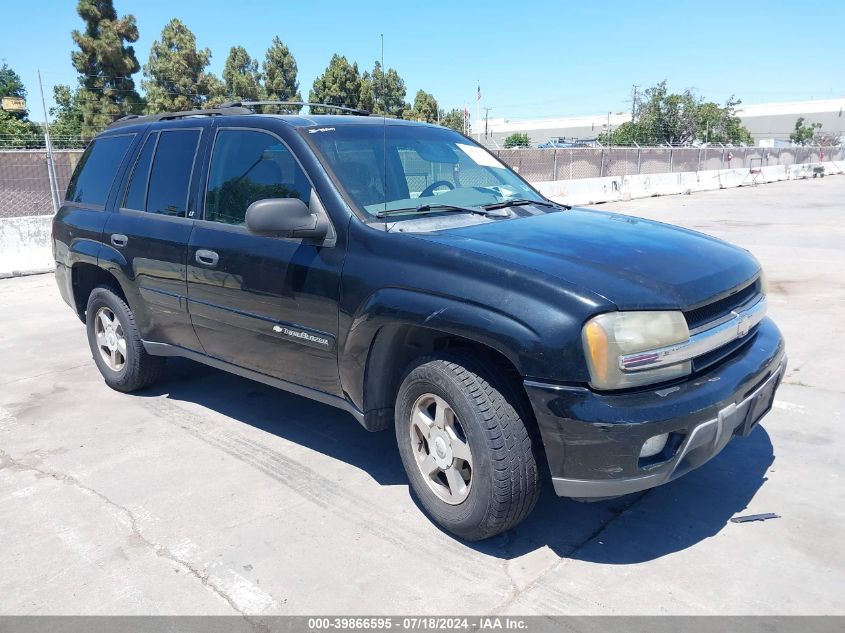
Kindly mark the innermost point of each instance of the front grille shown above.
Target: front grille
(722, 307)
(719, 354)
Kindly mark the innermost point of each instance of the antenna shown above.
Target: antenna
(383, 124)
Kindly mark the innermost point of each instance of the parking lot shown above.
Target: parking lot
(211, 494)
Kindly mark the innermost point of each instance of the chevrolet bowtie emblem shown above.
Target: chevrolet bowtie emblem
(743, 326)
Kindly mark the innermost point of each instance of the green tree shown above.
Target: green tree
(425, 107)
(175, 74)
(19, 133)
(340, 84)
(517, 139)
(280, 74)
(216, 92)
(12, 86)
(679, 118)
(720, 124)
(804, 133)
(368, 96)
(627, 134)
(384, 92)
(106, 65)
(665, 117)
(16, 130)
(241, 79)
(66, 130)
(455, 119)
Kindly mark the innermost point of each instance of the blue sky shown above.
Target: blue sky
(532, 58)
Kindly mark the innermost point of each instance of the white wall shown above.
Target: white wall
(25, 245)
(587, 191)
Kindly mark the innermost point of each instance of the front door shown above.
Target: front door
(267, 304)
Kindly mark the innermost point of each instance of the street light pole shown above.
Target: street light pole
(51, 168)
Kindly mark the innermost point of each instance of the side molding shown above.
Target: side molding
(164, 349)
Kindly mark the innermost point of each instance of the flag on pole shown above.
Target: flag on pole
(478, 112)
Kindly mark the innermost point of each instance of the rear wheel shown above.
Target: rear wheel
(116, 344)
(467, 452)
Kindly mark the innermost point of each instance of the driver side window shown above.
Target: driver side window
(246, 166)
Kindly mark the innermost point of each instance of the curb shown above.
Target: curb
(26, 273)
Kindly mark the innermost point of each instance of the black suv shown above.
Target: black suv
(401, 272)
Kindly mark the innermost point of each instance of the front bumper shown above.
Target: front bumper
(593, 440)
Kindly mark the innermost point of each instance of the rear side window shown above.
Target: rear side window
(162, 173)
(93, 176)
(170, 175)
(136, 195)
(250, 165)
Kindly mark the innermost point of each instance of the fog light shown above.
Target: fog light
(654, 445)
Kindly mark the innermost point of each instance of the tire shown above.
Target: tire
(138, 369)
(501, 481)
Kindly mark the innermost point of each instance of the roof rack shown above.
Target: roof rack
(131, 119)
(299, 104)
(230, 108)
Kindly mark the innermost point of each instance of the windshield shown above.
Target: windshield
(393, 167)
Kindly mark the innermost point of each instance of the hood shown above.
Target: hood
(634, 263)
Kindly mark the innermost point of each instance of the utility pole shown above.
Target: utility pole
(634, 101)
(51, 168)
(486, 119)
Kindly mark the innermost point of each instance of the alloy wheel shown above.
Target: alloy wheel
(110, 338)
(440, 448)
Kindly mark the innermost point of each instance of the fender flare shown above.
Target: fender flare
(112, 261)
(390, 309)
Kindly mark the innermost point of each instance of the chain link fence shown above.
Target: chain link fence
(25, 181)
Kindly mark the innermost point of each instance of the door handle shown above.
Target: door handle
(119, 240)
(207, 258)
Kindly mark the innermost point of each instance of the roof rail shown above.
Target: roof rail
(131, 119)
(252, 104)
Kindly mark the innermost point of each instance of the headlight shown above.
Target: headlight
(764, 282)
(609, 336)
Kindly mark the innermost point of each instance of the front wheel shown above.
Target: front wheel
(467, 452)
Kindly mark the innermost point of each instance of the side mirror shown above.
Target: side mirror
(284, 217)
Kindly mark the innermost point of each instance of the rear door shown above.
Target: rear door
(150, 231)
(78, 226)
(264, 303)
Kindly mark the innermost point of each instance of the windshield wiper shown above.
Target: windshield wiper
(518, 202)
(453, 208)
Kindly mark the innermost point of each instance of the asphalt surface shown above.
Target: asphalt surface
(211, 494)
